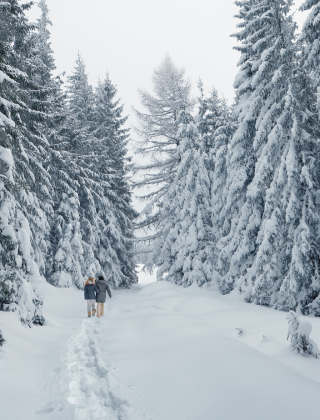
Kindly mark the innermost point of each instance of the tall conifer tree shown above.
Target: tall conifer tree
(216, 124)
(183, 249)
(24, 202)
(98, 142)
(112, 164)
(272, 252)
(241, 159)
(158, 139)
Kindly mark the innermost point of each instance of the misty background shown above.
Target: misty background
(128, 39)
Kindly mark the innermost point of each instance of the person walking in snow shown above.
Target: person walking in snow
(90, 291)
(101, 297)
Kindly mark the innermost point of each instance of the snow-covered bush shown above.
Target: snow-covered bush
(299, 331)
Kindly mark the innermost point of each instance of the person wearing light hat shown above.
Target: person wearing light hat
(103, 287)
(90, 292)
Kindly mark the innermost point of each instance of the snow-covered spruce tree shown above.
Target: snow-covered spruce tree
(75, 226)
(89, 190)
(82, 145)
(22, 220)
(310, 39)
(158, 139)
(97, 140)
(64, 257)
(216, 124)
(183, 249)
(258, 53)
(81, 103)
(226, 127)
(285, 273)
(110, 148)
(274, 255)
(37, 93)
(66, 250)
(287, 263)
(209, 115)
(241, 157)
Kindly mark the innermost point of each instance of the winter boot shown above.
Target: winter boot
(93, 312)
(89, 314)
(102, 309)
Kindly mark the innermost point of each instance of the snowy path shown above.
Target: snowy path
(179, 351)
(160, 353)
(85, 385)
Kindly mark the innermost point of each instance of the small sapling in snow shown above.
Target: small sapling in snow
(240, 331)
(299, 330)
(2, 340)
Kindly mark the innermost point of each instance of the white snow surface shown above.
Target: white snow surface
(162, 352)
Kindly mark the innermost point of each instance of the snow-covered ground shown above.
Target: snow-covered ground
(161, 353)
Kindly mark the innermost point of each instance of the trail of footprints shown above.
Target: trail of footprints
(84, 388)
(88, 379)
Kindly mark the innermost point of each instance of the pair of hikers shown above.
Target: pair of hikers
(96, 292)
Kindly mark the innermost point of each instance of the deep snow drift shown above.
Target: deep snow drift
(162, 352)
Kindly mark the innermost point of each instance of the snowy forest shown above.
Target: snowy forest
(232, 193)
(237, 198)
(66, 208)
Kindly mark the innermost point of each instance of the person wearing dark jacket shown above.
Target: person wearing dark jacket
(101, 297)
(90, 292)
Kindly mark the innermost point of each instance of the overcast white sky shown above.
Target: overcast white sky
(129, 38)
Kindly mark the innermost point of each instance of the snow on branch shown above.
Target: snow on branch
(145, 238)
